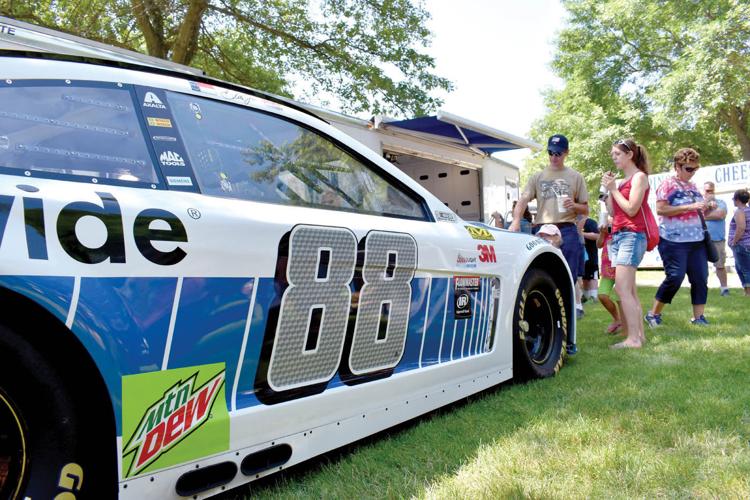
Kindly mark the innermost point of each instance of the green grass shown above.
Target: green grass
(670, 420)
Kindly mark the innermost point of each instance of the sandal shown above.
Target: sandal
(614, 327)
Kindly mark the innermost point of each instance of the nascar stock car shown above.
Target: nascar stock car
(202, 285)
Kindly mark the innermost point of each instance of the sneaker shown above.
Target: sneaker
(571, 349)
(725, 292)
(579, 313)
(700, 320)
(653, 320)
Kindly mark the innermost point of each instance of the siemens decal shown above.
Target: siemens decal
(109, 213)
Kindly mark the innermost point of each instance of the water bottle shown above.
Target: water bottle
(603, 193)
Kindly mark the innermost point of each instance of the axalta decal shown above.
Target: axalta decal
(479, 233)
(173, 416)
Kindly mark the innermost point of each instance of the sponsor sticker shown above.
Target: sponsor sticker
(171, 159)
(173, 416)
(480, 233)
(159, 122)
(164, 138)
(466, 261)
(151, 100)
(461, 303)
(442, 216)
(470, 283)
(486, 253)
(196, 109)
(535, 243)
(179, 181)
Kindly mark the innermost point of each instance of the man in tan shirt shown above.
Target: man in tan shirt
(561, 196)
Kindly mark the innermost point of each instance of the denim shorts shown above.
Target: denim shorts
(627, 248)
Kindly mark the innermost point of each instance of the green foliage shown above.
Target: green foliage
(669, 73)
(366, 53)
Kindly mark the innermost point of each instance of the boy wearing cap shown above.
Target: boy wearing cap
(561, 195)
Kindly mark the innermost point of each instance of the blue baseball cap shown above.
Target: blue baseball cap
(558, 143)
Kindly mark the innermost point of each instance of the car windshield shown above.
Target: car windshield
(242, 153)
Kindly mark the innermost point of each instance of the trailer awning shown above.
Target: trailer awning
(475, 136)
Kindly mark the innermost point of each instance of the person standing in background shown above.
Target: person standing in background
(497, 220)
(591, 267)
(607, 294)
(561, 195)
(716, 212)
(681, 245)
(629, 240)
(739, 237)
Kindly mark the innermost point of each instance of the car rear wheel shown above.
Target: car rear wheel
(540, 327)
(51, 445)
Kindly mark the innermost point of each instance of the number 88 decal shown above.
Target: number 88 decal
(320, 326)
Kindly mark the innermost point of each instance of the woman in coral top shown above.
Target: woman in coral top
(626, 203)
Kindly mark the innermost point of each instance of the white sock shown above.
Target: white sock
(724, 288)
(594, 294)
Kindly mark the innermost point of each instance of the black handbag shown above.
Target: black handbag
(711, 253)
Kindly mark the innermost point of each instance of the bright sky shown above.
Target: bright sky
(497, 54)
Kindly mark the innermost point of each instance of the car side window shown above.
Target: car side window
(247, 154)
(55, 129)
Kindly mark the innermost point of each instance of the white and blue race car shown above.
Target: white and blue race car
(202, 285)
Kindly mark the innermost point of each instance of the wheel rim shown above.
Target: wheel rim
(12, 449)
(539, 339)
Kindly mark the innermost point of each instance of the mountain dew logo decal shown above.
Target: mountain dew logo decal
(173, 416)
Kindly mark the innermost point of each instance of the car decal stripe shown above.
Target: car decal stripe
(424, 326)
(172, 319)
(52, 292)
(264, 297)
(123, 324)
(210, 323)
(434, 322)
(73, 301)
(245, 334)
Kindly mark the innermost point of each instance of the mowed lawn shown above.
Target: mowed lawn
(670, 420)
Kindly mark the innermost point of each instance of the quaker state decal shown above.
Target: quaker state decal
(173, 416)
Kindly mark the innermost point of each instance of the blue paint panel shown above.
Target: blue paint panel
(417, 311)
(431, 347)
(210, 324)
(52, 292)
(486, 319)
(123, 323)
(246, 386)
(449, 331)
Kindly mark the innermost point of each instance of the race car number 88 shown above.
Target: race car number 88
(314, 312)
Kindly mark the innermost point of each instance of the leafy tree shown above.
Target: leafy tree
(670, 73)
(365, 52)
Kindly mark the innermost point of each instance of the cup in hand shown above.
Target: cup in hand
(561, 204)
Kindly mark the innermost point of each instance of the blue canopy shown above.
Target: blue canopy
(464, 132)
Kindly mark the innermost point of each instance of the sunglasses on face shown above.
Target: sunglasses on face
(709, 190)
(554, 153)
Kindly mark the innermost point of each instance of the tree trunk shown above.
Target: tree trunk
(143, 10)
(187, 37)
(737, 119)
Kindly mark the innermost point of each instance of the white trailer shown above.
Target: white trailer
(449, 155)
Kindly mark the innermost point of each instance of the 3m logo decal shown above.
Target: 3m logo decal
(171, 159)
(486, 253)
(159, 122)
(173, 416)
(479, 233)
(150, 100)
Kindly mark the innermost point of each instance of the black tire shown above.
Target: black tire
(540, 327)
(52, 443)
